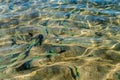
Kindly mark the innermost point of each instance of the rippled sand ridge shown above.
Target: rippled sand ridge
(59, 39)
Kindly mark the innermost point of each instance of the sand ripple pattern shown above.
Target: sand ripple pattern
(59, 40)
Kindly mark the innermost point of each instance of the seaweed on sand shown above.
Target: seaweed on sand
(72, 73)
(39, 40)
(34, 43)
(77, 72)
(30, 34)
(13, 42)
(26, 53)
(118, 76)
(24, 66)
(50, 53)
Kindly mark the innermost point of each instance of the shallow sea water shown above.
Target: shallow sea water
(59, 40)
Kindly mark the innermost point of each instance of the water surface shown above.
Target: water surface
(41, 35)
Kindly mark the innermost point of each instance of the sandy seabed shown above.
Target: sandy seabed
(59, 40)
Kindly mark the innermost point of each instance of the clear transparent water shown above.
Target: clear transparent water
(86, 23)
